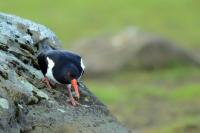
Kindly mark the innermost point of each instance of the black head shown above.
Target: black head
(66, 73)
(42, 62)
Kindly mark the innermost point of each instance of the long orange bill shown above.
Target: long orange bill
(75, 86)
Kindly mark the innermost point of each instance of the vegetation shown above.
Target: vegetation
(157, 101)
(178, 20)
(164, 101)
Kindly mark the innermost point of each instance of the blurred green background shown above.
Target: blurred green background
(161, 101)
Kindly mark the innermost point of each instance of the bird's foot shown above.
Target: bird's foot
(46, 81)
(73, 102)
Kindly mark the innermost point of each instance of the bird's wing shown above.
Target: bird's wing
(65, 57)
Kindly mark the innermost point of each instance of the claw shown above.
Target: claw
(46, 81)
(73, 101)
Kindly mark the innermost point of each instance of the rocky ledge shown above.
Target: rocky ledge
(26, 105)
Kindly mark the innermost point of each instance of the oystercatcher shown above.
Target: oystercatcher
(62, 67)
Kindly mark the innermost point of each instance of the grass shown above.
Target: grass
(186, 124)
(178, 20)
(176, 83)
(170, 96)
(164, 101)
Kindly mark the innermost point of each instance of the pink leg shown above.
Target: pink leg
(46, 81)
(71, 99)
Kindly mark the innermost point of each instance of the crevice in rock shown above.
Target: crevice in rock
(17, 113)
(4, 74)
(4, 47)
(27, 47)
(17, 36)
(16, 40)
(9, 23)
(29, 32)
(25, 59)
(23, 71)
(33, 100)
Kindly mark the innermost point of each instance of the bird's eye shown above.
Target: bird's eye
(69, 73)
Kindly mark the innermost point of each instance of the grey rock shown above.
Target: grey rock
(40, 93)
(26, 104)
(130, 49)
(24, 31)
(4, 103)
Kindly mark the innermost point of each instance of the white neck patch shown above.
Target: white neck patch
(50, 63)
(49, 73)
(82, 65)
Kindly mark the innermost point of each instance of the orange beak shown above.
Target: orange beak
(75, 86)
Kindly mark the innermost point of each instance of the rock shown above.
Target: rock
(4, 103)
(40, 94)
(132, 49)
(26, 105)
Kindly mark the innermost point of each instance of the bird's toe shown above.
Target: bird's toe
(73, 102)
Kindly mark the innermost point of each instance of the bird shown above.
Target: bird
(62, 67)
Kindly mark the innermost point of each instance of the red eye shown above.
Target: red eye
(68, 73)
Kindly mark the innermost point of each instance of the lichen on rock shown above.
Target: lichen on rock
(4, 103)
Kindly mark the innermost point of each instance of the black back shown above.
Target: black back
(67, 65)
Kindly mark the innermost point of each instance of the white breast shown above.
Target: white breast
(82, 65)
(49, 73)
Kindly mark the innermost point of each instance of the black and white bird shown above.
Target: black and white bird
(62, 67)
